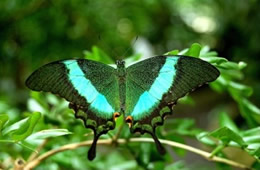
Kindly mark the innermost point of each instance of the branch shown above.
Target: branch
(32, 164)
(37, 151)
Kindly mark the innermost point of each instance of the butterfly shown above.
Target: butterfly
(144, 92)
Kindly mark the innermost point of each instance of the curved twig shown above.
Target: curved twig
(32, 164)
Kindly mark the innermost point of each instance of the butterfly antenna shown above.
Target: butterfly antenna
(136, 38)
(107, 46)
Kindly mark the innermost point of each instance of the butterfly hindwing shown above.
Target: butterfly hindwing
(84, 83)
(157, 84)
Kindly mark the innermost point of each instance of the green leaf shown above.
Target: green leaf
(39, 103)
(145, 153)
(237, 89)
(257, 153)
(219, 84)
(214, 60)
(15, 126)
(26, 129)
(187, 100)
(242, 65)
(130, 164)
(256, 165)
(156, 165)
(225, 120)
(226, 135)
(208, 54)
(181, 127)
(49, 133)
(52, 99)
(177, 166)
(249, 111)
(194, 50)
(254, 110)
(98, 55)
(183, 52)
(251, 132)
(35, 106)
(231, 74)
(3, 120)
(253, 146)
(205, 51)
(204, 138)
(252, 139)
(120, 121)
(173, 52)
(38, 137)
(231, 65)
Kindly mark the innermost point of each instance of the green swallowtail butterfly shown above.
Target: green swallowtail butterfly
(144, 92)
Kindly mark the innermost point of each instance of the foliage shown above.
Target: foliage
(50, 123)
(34, 32)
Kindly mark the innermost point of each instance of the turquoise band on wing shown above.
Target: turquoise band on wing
(85, 88)
(151, 98)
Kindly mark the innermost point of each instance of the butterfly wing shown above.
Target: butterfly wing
(154, 85)
(84, 84)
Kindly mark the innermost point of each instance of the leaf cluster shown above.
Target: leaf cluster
(49, 122)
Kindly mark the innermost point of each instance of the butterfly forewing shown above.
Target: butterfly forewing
(82, 82)
(164, 78)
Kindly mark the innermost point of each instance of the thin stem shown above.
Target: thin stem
(7, 141)
(118, 132)
(27, 147)
(217, 150)
(39, 148)
(38, 160)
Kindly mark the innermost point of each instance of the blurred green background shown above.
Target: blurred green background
(36, 32)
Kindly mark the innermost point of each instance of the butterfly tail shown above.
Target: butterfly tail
(92, 150)
(158, 144)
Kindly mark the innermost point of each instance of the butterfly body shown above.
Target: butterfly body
(143, 92)
(121, 74)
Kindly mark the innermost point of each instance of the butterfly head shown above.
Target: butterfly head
(120, 64)
(121, 68)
